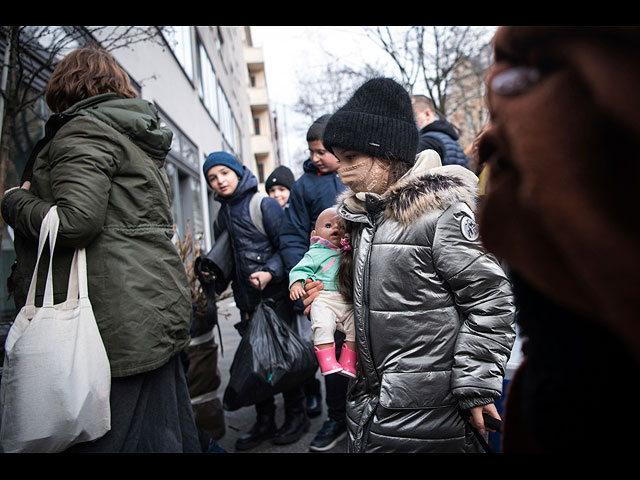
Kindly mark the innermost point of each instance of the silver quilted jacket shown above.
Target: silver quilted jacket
(434, 314)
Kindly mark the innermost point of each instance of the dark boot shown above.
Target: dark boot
(264, 428)
(314, 405)
(313, 397)
(295, 425)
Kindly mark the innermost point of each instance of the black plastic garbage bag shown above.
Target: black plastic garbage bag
(271, 358)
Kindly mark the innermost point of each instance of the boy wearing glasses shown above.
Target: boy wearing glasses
(315, 191)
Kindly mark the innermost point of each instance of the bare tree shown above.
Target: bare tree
(30, 55)
(435, 58)
(330, 89)
(445, 63)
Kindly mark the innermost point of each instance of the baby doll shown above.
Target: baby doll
(329, 311)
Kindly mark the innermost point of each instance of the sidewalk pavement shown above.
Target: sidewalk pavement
(240, 421)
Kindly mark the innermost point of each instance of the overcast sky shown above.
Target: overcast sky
(292, 51)
(289, 51)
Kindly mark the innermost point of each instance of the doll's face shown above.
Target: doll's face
(330, 226)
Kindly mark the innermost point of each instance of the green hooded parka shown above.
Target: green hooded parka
(104, 169)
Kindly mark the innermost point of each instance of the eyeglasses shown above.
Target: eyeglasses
(319, 153)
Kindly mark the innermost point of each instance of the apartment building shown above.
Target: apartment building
(265, 143)
(467, 94)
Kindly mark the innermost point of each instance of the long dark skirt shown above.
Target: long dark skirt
(150, 413)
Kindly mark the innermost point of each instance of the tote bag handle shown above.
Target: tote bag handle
(77, 287)
(48, 228)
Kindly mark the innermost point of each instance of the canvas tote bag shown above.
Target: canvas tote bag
(56, 377)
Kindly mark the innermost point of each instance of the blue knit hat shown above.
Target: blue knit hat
(222, 158)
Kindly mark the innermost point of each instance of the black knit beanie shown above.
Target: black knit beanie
(377, 120)
(280, 176)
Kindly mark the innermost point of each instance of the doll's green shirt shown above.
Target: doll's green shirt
(319, 263)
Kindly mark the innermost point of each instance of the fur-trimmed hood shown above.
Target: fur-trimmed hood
(426, 187)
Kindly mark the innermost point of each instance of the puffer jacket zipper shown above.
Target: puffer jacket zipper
(365, 425)
(365, 294)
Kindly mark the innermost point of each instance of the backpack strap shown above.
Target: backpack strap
(256, 212)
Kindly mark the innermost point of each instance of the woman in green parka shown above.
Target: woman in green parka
(102, 164)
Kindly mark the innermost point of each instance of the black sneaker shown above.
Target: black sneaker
(330, 434)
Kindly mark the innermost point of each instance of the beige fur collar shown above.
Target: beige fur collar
(426, 187)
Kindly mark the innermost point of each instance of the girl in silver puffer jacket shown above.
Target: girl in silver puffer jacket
(434, 313)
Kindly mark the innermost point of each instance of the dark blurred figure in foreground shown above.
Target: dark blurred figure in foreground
(562, 150)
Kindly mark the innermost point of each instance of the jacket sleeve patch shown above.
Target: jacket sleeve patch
(469, 229)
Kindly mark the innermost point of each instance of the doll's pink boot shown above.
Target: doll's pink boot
(327, 360)
(348, 360)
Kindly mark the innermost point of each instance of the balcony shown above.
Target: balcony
(258, 98)
(254, 58)
(261, 145)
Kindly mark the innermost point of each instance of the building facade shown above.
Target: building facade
(207, 93)
(202, 87)
(264, 140)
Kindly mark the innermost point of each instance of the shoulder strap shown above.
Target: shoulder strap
(256, 212)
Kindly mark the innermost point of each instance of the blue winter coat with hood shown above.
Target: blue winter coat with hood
(312, 193)
(252, 251)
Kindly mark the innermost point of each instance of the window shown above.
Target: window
(186, 201)
(208, 84)
(227, 122)
(179, 40)
(184, 176)
(215, 101)
(260, 172)
(187, 151)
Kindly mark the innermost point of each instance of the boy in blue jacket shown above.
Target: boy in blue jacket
(316, 190)
(258, 274)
